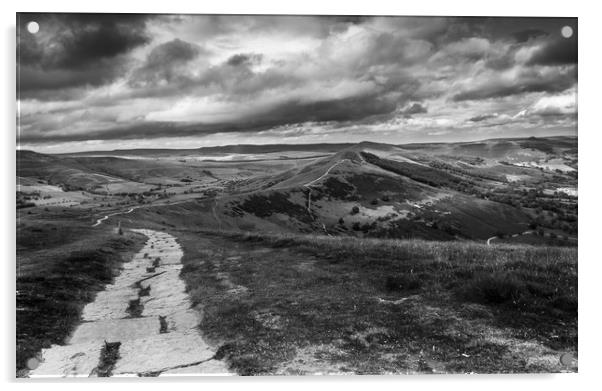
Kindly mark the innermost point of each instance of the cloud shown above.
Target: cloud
(559, 51)
(528, 34)
(483, 117)
(469, 48)
(557, 105)
(76, 49)
(114, 77)
(166, 62)
(517, 81)
(413, 108)
(244, 59)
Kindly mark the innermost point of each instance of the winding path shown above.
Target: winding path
(526, 233)
(99, 221)
(310, 184)
(144, 320)
(214, 212)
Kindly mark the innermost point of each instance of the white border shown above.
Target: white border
(590, 190)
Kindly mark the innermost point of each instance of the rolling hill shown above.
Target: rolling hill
(440, 191)
(427, 191)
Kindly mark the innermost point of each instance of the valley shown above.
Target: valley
(340, 258)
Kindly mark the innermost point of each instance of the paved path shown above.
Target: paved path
(146, 319)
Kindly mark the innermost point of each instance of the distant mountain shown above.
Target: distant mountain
(490, 147)
(218, 150)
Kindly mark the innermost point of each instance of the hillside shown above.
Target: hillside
(375, 258)
(383, 190)
(479, 190)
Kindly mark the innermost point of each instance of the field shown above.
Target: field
(365, 259)
(306, 304)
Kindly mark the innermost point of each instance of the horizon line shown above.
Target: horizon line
(290, 144)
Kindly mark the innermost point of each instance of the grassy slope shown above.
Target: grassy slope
(302, 304)
(62, 263)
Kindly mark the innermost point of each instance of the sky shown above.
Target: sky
(120, 81)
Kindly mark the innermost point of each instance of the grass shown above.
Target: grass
(275, 202)
(301, 304)
(109, 355)
(309, 303)
(535, 279)
(403, 282)
(426, 175)
(58, 275)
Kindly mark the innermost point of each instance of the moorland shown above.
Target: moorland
(321, 258)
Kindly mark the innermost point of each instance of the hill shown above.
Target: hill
(428, 191)
(499, 188)
(240, 149)
(374, 258)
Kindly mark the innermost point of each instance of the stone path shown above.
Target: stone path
(141, 325)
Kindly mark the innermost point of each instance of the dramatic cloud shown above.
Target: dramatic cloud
(73, 50)
(166, 63)
(558, 51)
(112, 78)
(414, 108)
(516, 81)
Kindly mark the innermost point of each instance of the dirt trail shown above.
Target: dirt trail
(141, 325)
(308, 184)
(311, 183)
(526, 233)
(99, 221)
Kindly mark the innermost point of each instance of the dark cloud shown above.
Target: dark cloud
(176, 51)
(525, 35)
(509, 29)
(413, 108)
(87, 44)
(349, 109)
(559, 51)
(528, 80)
(60, 83)
(75, 49)
(244, 59)
(166, 62)
(480, 118)
(79, 40)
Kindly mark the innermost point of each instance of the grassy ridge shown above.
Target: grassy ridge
(301, 304)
